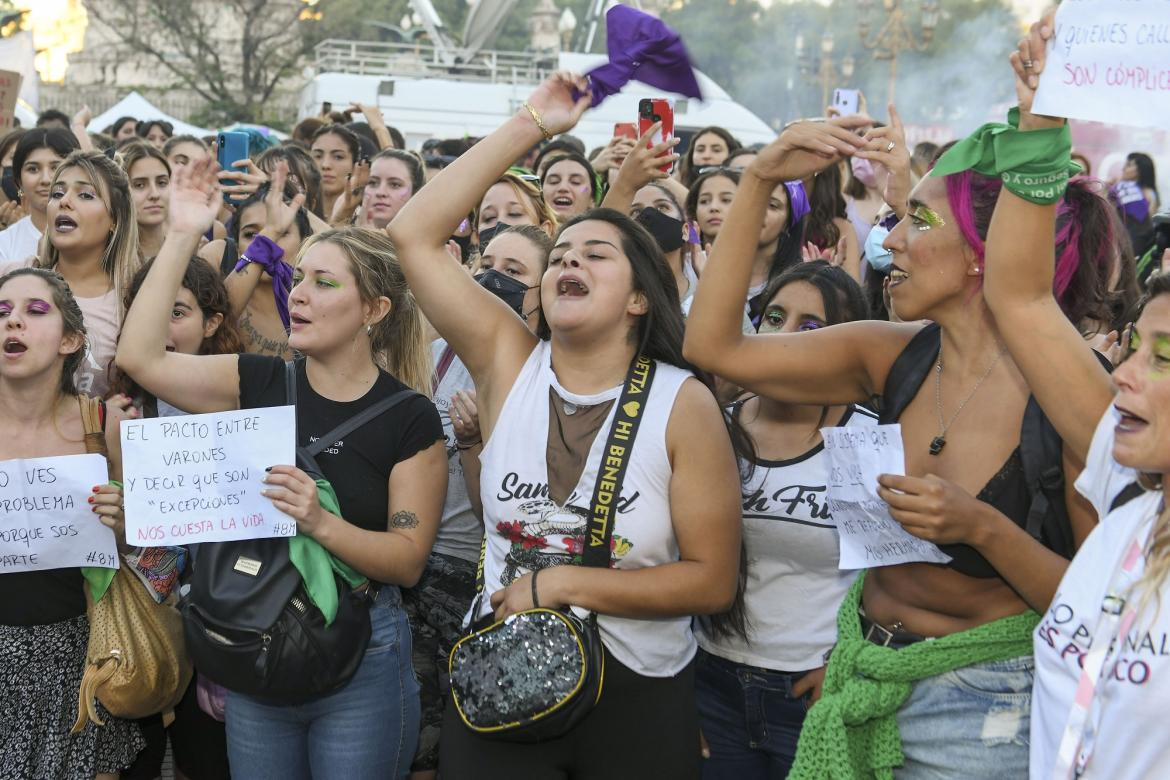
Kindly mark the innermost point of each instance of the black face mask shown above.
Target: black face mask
(464, 243)
(507, 289)
(667, 230)
(8, 184)
(487, 234)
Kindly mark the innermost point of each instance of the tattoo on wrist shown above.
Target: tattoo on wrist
(404, 520)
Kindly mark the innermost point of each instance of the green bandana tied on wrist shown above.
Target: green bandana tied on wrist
(1033, 165)
(852, 731)
(313, 561)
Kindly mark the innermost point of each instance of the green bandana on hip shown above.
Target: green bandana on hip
(1033, 165)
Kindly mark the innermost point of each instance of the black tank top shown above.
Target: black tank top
(1008, 490)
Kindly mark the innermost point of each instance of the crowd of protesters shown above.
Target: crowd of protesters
(833, 277)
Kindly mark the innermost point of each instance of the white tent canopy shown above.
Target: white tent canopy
(142, 109)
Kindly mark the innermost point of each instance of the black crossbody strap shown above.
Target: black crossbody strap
(350, 425)
(611, 471)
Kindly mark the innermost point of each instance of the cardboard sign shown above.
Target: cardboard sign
(46, 520)
(9, 91)
(869, 536)
(1109, 61)
(198, 477)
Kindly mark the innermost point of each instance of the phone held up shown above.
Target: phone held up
(651, 110)
(231, 147)
(625, 130)
(847, 101)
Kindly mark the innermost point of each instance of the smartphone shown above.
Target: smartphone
(847, 101)
(651, 110)
(326, 108)
(231, 147)
(625, 130)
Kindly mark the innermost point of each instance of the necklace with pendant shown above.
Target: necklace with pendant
(940, 441)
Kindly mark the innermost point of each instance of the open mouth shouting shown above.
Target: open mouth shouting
(569, 286)
(897, 276)
(14, 347)
(1129, 422)
(64, 224)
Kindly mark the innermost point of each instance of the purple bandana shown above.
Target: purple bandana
(798, 202)
(268, 255)
(641, 47)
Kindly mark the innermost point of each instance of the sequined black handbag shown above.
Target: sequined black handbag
(536, 674)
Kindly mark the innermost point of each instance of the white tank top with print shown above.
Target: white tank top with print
(527, 530)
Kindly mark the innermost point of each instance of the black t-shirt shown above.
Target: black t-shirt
(359, 465)
(37, 598)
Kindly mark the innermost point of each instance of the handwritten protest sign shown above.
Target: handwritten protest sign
(9, 91)
(46, 521)
(1109, 61)
(197, 478)
(869, 536)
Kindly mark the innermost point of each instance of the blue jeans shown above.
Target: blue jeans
(749, 717)
(368, 730)
(971, 723)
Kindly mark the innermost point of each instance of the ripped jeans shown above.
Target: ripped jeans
(970, 723)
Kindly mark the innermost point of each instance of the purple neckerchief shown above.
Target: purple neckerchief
(798, 202)
(1131, 200)
(640, 46)
(268, 255)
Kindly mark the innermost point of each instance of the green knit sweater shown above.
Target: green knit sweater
(852, 733)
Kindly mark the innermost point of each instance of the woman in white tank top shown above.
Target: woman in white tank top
(545, 404)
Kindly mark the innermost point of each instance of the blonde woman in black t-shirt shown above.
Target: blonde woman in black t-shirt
(356, 324)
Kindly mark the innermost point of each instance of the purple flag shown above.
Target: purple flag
(642, 47)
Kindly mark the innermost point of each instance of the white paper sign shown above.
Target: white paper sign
(46, 520)
(1109, 61)
(869, 536)
(198, 477)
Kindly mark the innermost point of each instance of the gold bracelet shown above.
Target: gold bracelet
(539, 121)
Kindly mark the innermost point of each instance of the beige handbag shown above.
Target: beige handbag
(136, 661)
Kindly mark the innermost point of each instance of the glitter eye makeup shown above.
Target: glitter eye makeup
(927, 218)
(5, 308)
(811, 325)
(329, 283)
(39, 307)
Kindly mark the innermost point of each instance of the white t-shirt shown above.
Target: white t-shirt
(794, 585)
(19, 241)
(1135, 685)
(460, 532)
(528, 530)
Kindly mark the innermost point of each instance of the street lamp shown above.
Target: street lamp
(827, 71)
(895, 35)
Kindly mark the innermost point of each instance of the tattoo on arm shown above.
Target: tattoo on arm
(404, 520)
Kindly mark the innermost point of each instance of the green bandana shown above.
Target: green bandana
(317, 565)
(1033, 165)
(851, 733)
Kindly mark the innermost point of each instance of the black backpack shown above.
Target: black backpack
(249, 622)
(1040, 444)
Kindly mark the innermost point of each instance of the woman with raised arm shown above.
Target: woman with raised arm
(969, 447)
(43, 626)
(361, 336)
(545, 404)
(1100, 671)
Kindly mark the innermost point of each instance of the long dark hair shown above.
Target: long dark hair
(687, 168)
(827, 204)
(1147, 177)
(346, 135)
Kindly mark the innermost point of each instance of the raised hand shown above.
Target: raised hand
(355, 188)
(10, 212)
(195, 197)
(887, 147)
(554, 103)
(1028, 63)
(644, 162)
(278, 215)
(243, 183)
(808, 147)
